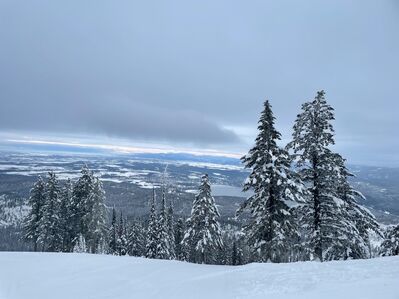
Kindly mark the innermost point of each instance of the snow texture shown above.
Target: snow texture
(84, 276)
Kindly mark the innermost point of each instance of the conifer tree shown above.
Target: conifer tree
(121, 241)
(171, 231)
(203, 235)
(360, 220)
(313, 134)
(51, 234)
(163, 241)
(113, 234)
(81, 206)
(96, 216)
(152, 231)
(34, 218)
(180, 251)
(60, 215)
(136, 239)
(330, 218)
(272, 229)
(390, 246)
(65, 216)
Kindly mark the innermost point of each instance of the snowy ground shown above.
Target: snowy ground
(83, 276)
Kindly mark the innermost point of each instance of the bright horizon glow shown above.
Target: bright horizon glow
(127, 149)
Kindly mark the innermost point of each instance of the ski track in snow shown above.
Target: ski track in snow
(84, 276)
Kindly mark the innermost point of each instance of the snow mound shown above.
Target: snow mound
(84, 276)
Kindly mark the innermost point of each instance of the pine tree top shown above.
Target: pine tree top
(265, 152)
(266, 124)
(313, 131)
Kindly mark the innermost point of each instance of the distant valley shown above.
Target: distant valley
(129, 179)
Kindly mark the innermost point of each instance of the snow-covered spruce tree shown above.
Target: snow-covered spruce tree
(65, 216)
(121, 241)
(360, 220)
(163, 241)
(152, 231)
(271, 230)
(34, 218)
(313, 134)
(180, 251)
(113, 234)
(171, 231)
(51, 234)
(203, 234)
(81, 206)
(96, 220)
(390, 246)
(330, 219)
(136, 239)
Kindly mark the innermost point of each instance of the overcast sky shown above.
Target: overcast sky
(195, 73)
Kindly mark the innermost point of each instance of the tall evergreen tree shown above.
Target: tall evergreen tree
(65, 216)
(50, 229)
(171, 231)
(34, 218)
(152, 231)
(330, 217)
(82, 205)
(121, 241)
(203, 235)
(96, 218)
(113, 234)
(163, 238)
(272, 229)
(313, 134)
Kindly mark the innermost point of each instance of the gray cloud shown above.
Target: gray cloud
(115, 117)
(181, 71)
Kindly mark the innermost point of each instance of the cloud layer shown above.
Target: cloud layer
(182, 72)
(114, 117)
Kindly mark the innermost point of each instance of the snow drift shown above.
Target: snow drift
(84, 276)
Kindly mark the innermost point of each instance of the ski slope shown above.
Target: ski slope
(84, 276)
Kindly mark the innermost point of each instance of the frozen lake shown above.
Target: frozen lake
(224, 190)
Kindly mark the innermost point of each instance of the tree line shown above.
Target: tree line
(302, 208)
(60, 215)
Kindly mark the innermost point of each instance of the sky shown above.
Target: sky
(193, 75)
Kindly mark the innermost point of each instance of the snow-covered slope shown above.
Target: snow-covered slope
(78, 276)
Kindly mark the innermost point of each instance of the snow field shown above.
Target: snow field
(85, 276)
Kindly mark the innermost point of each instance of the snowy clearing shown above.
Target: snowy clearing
(83, 276)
